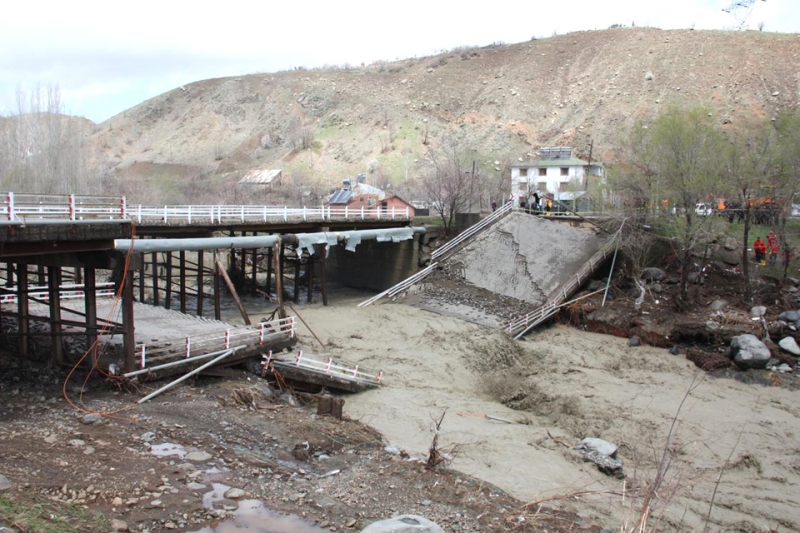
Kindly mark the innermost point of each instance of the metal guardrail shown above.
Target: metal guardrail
(238, 337)
(327, 368)
(472, 231)
(520, 325)
(402, 286)
(67, 291)
(17, 208)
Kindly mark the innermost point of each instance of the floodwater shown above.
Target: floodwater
(252, 517)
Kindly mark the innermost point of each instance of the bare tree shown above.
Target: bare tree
(788, 178)
(447, 179)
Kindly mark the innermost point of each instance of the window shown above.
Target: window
(562, 187)
(523, 173)
(523, 187)
(564, 171)
(543, 172)
(542, 186)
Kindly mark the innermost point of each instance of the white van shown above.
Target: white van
(703, 209)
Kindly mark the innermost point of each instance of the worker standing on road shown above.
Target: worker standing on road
(548, 205)
(760, 250)
(772, 248)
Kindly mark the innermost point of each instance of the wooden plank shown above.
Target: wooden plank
(231, 288)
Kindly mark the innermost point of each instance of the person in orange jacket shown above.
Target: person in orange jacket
(772, 248)
(760, 250)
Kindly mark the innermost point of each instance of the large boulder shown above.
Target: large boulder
(726, 256)
(407, 523)
(789, 316)
(748, 351)
(790, 345)
(653, 274)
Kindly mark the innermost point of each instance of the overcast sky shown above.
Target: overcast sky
(107, 56)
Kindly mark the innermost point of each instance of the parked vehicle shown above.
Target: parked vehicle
(703, 209)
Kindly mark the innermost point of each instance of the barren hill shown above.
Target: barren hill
(507, 100)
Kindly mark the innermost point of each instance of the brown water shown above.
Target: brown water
(253, 517)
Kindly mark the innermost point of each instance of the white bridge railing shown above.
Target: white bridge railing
(199, 345)
(17, 208)
(472, 231)
(326, 367)
(402, 286)
(67, 291)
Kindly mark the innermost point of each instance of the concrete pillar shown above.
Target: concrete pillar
(200, 283)
(90, 306)
(168, 283)
(22, 307)
(182, 266)
(128, 333)
(54, 290)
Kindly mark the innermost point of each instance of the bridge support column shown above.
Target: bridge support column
(9, 274)
(254, 273)
(297, 255)
(22, 306)
(269, 270)
(168, 284)
(310, 267)
(217, 303)
(128, 337)
(182, 266)
(40, 270)
(155, 279)
(277, 253)
(323, 278)
(54, 289)
(200, 283)
(90, 306)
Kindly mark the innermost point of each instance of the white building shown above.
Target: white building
(556, 174)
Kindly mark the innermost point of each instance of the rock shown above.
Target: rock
(788, 344)
(77, 443)
(195, 486)
(198, 456)
(116, 502)
(674, 350)
(406, 523)
(598, 445)
(392, 450)
(696, 278)
(728, 257)
(758, 310)
(789, 316)
(634, 341)
(5, 484)
(119, 525)
(657, 288)
(784, 368)
(606, 464)
(234, 494)
(148, 437)
(717, 305)
(649, 76)
(653, 274)
(91, 418)
(773, 363)
(749, 352)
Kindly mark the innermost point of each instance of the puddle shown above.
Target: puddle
(167, 449)
(253, 517)
(215, 496)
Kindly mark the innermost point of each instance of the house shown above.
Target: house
(360, 194)
(264, 177)
(556, 174)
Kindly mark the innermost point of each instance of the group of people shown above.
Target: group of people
(770, 249)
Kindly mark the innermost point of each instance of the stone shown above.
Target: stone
(749, 352)
(649, 76)
(5, 484)
(718, 305)
(674, 350)
(784, 368)
(116, 502)
(195, 486)
(119, 525)
(696, 278)
(148, 437)
(598, 445)
(653, 274)
(406, 523)
(76, 443)
(788, 344)
(758, 310)
(789, 316)
(394, 450)
(91, 418)
(728, 257)
(198, 456)
(234, 494)
(634, 341)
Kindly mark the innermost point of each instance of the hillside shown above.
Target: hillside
(507, 100)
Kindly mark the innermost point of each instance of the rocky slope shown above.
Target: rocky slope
(577, 89)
